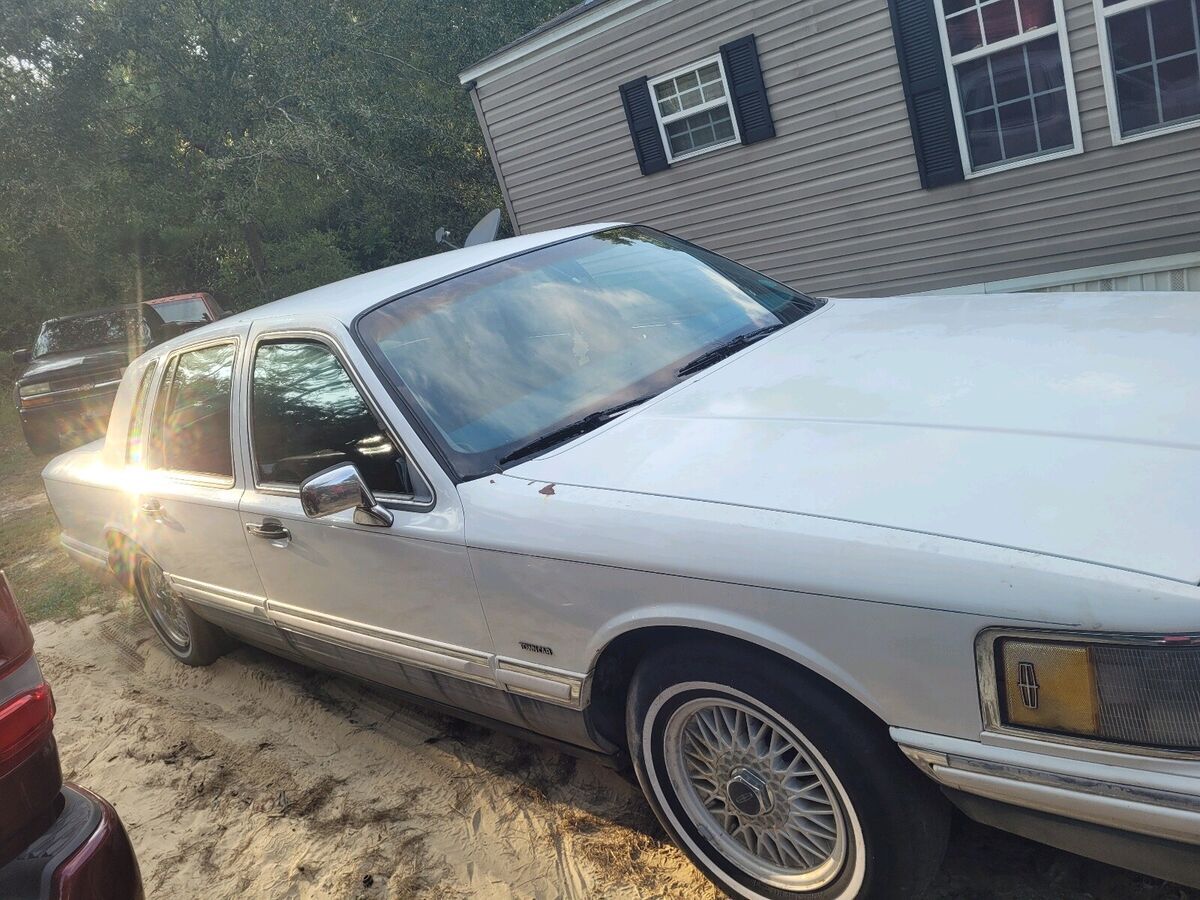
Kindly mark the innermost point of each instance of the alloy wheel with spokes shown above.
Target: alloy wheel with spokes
(775, 783)
(163, 606)
(765, 799)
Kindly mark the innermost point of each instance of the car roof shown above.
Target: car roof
(345, 299)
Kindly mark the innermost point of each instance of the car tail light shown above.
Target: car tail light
(24, 721)
(26, 703)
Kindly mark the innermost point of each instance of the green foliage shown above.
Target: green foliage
(250, 147)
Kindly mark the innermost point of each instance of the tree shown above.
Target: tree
(254, 148)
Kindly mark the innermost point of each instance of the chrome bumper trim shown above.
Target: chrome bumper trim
(1099, 795)
(932, 762)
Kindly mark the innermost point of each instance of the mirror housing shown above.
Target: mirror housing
(22, 356)
(339, 488)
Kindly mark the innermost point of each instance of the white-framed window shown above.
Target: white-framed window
(693, 109)
(1150, 51)
(1011, 84)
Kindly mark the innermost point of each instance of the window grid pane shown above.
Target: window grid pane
(1015, 103)
(704, 129)
(691, 89)
(1155, 57)
(970, 25)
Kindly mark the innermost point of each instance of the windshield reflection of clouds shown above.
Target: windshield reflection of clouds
(495, 356)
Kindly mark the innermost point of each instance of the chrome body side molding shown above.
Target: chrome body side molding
(472, 665)
(219, 597)
(84, 554)
(541, 682)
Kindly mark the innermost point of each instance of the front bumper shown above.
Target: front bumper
(84, 855)
(84, 415)
(1154, 803)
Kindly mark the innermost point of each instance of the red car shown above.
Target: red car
(57, 840)
(198, 307)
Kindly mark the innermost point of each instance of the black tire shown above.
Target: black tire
(892, 820)
(190, 639)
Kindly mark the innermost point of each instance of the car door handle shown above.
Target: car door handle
(151, 508)
(269, 531)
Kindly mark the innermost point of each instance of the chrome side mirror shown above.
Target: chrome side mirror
(339, 488)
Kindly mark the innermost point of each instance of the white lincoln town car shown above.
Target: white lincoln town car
(818, 568)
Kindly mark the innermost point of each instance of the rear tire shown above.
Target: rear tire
(776, 784)
(190, 639)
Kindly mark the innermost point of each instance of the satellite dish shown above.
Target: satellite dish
(442, 236)
(485, 230)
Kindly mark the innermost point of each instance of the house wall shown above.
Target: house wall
(832, 204)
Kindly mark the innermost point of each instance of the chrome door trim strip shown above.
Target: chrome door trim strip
(77, 547)
(472, 665)
(219, 597)
(540, 682)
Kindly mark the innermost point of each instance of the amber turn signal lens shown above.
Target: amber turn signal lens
(1050, 686)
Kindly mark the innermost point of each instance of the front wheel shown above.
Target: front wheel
(774, 783)
(189, 638)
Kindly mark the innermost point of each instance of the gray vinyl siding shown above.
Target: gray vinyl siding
(833, 204)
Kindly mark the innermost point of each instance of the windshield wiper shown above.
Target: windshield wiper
(731, 346)
(572, 429)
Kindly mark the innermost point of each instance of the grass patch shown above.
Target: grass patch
(47, 584)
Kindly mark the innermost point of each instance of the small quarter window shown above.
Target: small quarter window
(307, 415)
(135, 444)
(693, 111)
(195, 427)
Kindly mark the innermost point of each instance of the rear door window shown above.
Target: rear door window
(307, 415)
(195, 422)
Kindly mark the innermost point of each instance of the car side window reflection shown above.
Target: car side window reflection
(307, 415)
(195, 424)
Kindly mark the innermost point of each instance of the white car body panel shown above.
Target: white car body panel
(863, 492)
(1045, 423)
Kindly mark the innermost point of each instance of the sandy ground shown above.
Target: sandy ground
(258, 778)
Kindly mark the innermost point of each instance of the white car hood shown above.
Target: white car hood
(1066, 424)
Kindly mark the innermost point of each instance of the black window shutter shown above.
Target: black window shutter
(643, 126)
(923, 72)
(749, 93)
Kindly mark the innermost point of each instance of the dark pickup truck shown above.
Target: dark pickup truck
(66, 392)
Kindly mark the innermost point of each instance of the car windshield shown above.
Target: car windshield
(97, 330)
(494, 358)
